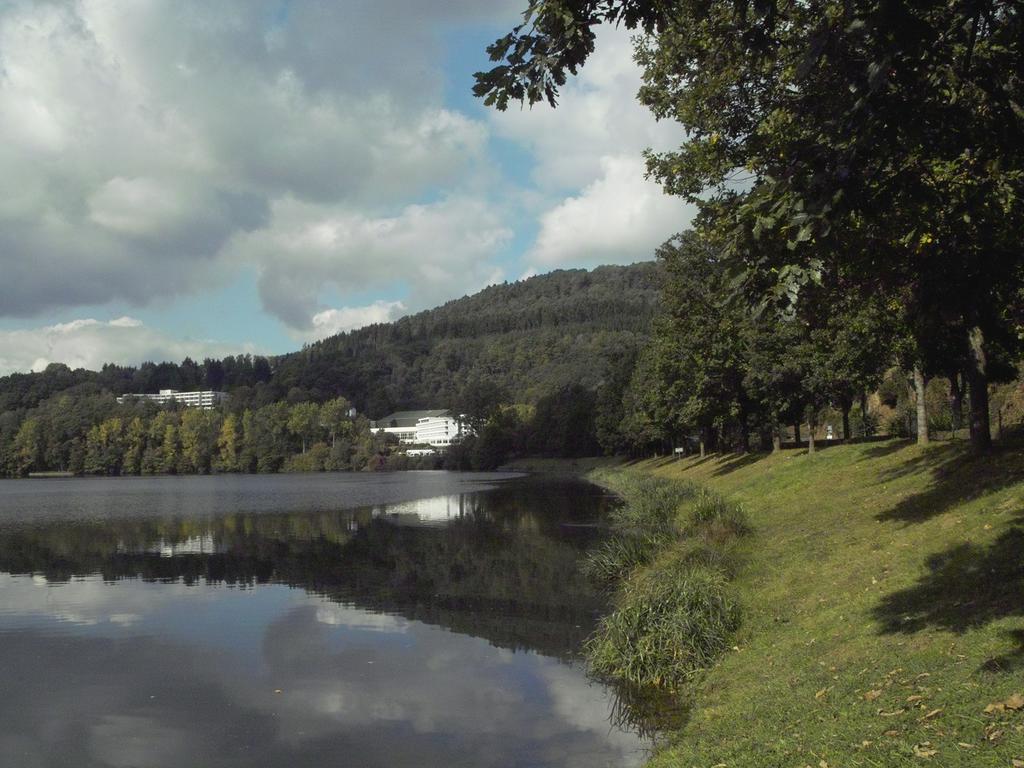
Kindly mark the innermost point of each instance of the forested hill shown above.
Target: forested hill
(527, 338)
(530, 338)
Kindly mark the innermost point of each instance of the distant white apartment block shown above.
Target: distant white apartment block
(437, 428)
(207, 399)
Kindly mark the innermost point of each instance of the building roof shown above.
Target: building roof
(406, 419)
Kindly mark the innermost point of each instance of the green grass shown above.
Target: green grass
(883, 610)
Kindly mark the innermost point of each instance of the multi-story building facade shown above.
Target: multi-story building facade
(437, 428)
(206, 399)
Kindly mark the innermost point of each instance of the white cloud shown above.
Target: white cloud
(597, 117)
(620, 218)
(593, 142)
(332, 321)
(436, 251)
(152, 149)
(88, 343)
(137, 140)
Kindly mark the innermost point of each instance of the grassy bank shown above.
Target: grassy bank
(883, 611)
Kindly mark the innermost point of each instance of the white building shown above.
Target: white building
(439, 431)
(435, 428)
(207, 399)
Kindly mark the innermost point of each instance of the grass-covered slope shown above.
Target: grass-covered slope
(883, 602)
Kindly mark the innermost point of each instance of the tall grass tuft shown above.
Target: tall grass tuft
(717, 517)
(619, 555)
(670, 621)
(651, 504)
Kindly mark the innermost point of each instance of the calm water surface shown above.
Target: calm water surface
(406, 619)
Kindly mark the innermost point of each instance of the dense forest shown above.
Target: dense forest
(525, 362)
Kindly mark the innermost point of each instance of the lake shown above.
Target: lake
(397, 619)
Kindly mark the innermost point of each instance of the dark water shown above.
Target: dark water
(407, 619)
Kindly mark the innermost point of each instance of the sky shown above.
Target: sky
(181, 177)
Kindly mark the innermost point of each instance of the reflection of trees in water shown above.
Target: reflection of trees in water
(506, 570)
(647, 711)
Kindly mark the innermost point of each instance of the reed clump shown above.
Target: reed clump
(670, 621)
(669, 561)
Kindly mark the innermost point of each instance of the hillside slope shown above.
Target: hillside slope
(884, 600)
(528, 338)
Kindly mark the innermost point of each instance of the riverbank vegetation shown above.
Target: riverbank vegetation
(881, 598)
(668, 561)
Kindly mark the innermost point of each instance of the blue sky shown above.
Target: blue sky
(180, 177)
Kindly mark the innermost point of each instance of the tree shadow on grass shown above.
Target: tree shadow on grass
(886, 448)
(957, 477)
(967, 586)
(1008, 662)
(738, 462)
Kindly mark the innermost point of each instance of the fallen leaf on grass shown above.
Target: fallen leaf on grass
(891, 734)
(872, 695)
(914, 699)
(1014, 702)
(1017, 763)
(925, 750)
(965, 745)
(894, 713)
(821, 694)
(933, 713)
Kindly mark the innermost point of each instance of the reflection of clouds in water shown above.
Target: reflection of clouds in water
(90, 600)
(340, 615)
(439, 682)
(391, 691)
(131, 741)
(586, 708)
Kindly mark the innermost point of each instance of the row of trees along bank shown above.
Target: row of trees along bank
(98, 435)
(858, 168)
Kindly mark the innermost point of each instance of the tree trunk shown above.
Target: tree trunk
(744, 434)
(977, 381)
(796, 433)
(847, 435)
(776, 441)
(956, 402)
(703, 451)
(812, 425)
(922, 406)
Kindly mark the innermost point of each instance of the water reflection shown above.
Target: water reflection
(439, 632)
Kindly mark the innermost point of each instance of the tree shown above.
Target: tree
(229, 444)
(28, 446)
(334, 418)
(303, 421)
(864, 129)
